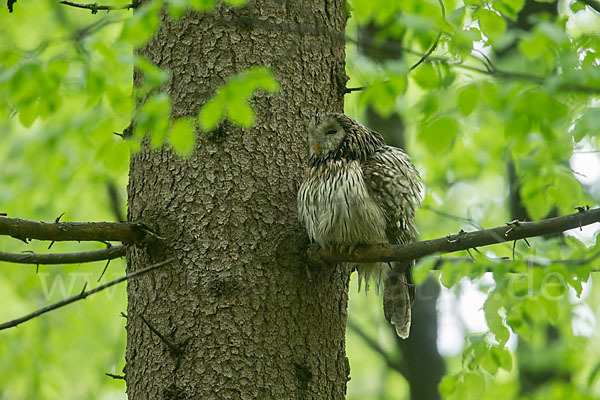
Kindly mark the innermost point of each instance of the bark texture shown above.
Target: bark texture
(240, 314)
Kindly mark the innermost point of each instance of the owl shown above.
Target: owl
(359, 191)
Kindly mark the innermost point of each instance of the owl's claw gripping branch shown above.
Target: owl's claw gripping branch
(516, 230)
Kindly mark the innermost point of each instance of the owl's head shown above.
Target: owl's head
(338, 136)
(326, 137)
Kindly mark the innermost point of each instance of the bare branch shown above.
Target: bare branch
(122, 377)
(82, 295)
(462, 241)
(126, 232)
(64, 258)
(94, 7)
(174, 349)
(435, 43)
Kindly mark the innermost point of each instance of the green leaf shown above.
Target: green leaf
(28, 113)
(551, 309)
(154, 117)
(241, 113)
(94, 84)
(202, 5)
(467, 99)
(491, 24)
(496, 357)
(474, 384)
(236, 3)
(577, 6)
(177, 8)
(182, 136)
(451, 275)
(494, 321)
(145, 22)
(510, 8)
(447, 386)
(422, 268)
(439, 135)
(565, 188)
(211, 114)
(426, 76)
(153, 76)
(24, 85)
(232, 98)
(587, 124)
(504, 357)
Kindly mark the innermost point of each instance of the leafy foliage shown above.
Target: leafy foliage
(494, 92)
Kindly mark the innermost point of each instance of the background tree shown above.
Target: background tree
(66, 87)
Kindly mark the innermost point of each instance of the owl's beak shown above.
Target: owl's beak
(316, 147)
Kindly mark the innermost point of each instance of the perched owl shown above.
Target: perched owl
(360, 191)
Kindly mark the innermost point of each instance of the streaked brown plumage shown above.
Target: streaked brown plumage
(360, 191)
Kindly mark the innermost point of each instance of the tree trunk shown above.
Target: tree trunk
(240, 313)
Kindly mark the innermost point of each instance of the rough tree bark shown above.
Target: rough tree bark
(239, 314)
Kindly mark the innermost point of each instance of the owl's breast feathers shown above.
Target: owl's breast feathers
(349, 202)
(336, 207)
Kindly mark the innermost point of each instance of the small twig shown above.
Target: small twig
(487, 63)
(115, 201)
(94, 7)
(115, 376)
(174, 350)
(426, 55)
(64, 258)
(57, 220)
(103, 271)
(82, 295)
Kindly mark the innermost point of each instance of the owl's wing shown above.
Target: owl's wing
(394, 184)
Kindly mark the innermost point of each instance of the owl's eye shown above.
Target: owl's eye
(331, 132)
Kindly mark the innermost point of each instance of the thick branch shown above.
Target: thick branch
(461, 241)
(126, 232)
(82, 295)
(64, 258)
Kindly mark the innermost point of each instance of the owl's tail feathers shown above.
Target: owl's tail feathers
(397, 299)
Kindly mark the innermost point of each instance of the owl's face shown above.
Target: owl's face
(326, 138)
